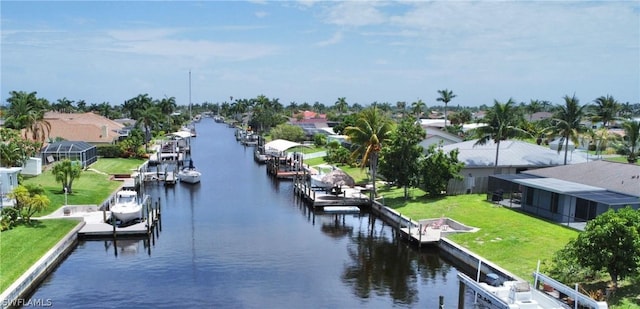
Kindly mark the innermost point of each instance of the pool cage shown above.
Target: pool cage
(77, 151)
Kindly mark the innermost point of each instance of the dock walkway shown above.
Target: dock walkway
(96, 221)
(320, 198)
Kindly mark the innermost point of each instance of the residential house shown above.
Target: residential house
(514, 157)
(436, 136)
(87, 127)
(312, 123)
(573, 194)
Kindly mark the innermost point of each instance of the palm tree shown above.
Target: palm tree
(401, 106)
(632, 138)
(65, 172)
(445, 96)
(147, 118)
(371, 131)
(533, 107)
(566, 123)
(417, 108)
(502, 123)
(341, 105)
(606, 110)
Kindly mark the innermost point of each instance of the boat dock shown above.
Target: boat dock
(320, 198)
(98, 221)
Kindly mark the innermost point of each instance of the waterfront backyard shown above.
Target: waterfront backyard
(23, 245)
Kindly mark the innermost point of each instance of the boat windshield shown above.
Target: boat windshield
(126, 199)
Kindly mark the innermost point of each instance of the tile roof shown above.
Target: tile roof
(87, 127)
(613, 176)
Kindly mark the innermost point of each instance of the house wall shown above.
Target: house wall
(475, 180)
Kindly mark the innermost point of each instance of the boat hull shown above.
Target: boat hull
(126, 215)
(191, 177)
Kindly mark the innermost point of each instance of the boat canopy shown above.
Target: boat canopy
(281, 145)
(181, 134)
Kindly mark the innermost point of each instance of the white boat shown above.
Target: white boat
(496, 293)
(127, 206)
(189, 174)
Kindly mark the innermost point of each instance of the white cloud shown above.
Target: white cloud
(261, 14)
(355, 13)
(335, 39)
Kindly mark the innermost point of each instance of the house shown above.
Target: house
(573, 194)
(514, 157)
(435, 136)
(88, 127)
(312, 123)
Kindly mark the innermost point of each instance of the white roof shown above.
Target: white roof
(512, 153)
(181, 134)
(280, 145)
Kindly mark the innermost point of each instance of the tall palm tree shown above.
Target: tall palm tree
(371, 131)
(445, 96)
(417, 108)
(566, 123)
(501, 123)
(402, 107)
(632, 138)
(341, 105)
(606, 110)
(148, 118)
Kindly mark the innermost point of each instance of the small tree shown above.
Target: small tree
(320, 140)
(437, 168)
(399, 163)
(610, 242)
(632, 139)
(288, 132)
(65, 172)
(28, 202)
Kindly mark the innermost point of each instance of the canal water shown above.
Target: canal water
(239, 239)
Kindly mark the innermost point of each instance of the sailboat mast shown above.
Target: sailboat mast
(190, 117)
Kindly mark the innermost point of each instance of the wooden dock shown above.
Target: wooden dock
(320, 198)
(100, 224)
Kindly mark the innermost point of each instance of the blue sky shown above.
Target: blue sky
(308, 51)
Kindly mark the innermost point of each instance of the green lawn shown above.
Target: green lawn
(22, 246)
(117, 165)
(507, 237)
(92, 188)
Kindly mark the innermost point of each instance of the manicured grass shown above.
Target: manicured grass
(22, 246)
(620, 159)
(511, 239)
(117, 165)
(91, 188)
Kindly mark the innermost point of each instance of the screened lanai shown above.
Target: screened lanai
(82, 152)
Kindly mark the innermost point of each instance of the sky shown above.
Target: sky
(319, 51)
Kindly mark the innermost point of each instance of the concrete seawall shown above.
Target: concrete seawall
(15, 295)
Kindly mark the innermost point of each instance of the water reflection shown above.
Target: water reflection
(127, 247)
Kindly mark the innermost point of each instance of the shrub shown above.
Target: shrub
(109, 151)
(9, 218)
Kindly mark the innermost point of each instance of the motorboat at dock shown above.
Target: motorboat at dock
(127, 206)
